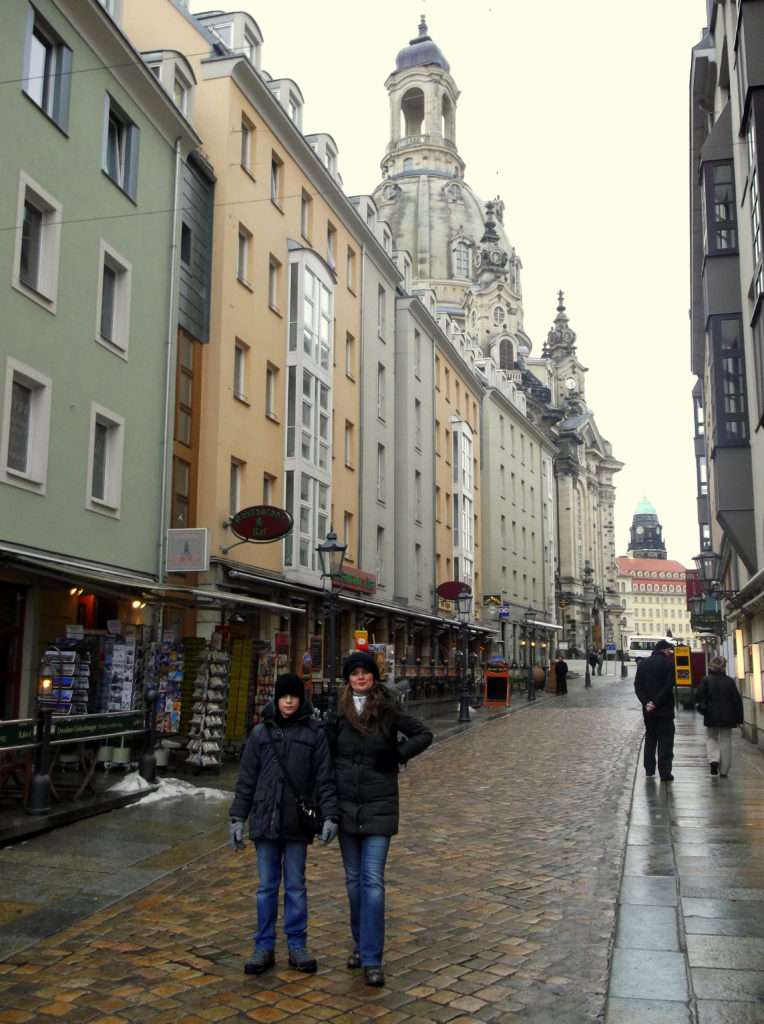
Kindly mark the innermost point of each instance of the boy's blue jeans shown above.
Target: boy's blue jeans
(271, 855)
(364, 858)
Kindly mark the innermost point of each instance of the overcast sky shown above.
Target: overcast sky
(577, 115)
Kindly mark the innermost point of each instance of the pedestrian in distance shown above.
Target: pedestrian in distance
(367, 751)
(285, 769)
(600, 660)
(720, 702)
(561, 674)
(654, 687)
(592, 658)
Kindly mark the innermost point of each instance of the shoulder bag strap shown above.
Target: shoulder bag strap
(284, 772)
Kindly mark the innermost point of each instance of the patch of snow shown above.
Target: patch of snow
(167, 789)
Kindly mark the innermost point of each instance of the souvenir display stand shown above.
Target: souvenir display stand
(163, 671)
(210, 695)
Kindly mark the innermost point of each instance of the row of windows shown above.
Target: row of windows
(25, 438)
(47, 82)
(36, 266)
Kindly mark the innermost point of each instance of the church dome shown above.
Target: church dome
(645, 508)
(420, 52)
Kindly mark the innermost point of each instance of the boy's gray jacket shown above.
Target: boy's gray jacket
(262, 793)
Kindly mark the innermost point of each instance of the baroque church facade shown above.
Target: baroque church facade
(546, 471)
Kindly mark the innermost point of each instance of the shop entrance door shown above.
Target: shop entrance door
(11, 633)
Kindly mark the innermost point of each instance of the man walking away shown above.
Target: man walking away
(561, 674)
(654, 687)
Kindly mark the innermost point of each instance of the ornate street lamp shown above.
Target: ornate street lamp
(332, 557)
(463, 607)
(624, 670)
(530, 617)
(38, 800)
(588, 578)
(707, 563)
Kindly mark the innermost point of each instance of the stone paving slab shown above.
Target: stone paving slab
(501, 903)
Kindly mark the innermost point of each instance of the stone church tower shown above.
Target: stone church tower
(646, 533)
(461, 255)
(455, 240)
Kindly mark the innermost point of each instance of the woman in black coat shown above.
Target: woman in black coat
(719, 700)
(286, 754)
(367, 755)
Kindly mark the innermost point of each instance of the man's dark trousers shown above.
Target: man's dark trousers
(659, 732)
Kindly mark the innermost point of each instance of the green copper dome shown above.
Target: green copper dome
(645, 508)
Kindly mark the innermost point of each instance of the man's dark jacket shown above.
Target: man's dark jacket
(654, 682)
(262, 793)
(720, 701)
(366, 766)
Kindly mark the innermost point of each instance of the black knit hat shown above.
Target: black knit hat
(289, 685)
(360, 659)
(662, 645)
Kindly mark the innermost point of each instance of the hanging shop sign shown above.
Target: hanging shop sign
(188, 550)
(361, 638)
(261, 524)
(452, 589)
(359, 580)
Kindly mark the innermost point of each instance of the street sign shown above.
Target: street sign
(504, 613)
(187, 550)
(611, 648)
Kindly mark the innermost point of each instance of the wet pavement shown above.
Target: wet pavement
(690, 935)
(517, 860)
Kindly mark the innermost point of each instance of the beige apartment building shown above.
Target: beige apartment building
(278, 398)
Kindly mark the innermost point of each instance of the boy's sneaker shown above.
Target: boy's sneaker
(260, 961)
(301, 960)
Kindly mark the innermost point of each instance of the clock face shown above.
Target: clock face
(570, 383)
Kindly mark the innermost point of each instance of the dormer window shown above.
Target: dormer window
(180, 92)
(224, 33)
(250, 47)
(294, 109)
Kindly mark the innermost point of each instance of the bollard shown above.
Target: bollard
(147, 766)
(39, 789)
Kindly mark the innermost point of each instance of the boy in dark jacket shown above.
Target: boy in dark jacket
(654, 687)
(267, 793)
(722, 706)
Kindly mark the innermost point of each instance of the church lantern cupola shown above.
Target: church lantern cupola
(423, 98)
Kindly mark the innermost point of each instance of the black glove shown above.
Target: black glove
(387, 761)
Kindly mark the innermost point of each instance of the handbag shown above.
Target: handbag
(308, 814)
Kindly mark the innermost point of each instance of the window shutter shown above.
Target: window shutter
(131, 176)
(63, 88)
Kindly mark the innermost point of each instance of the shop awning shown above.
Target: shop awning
(543, 625)
(204, 596)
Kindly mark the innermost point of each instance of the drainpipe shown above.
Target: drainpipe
(362, 496)
(172, 328)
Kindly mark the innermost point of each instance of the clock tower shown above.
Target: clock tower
(646, 534)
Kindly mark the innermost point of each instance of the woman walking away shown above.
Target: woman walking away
(561, 674)
(719, 700)
(286, 763)
(367, 755)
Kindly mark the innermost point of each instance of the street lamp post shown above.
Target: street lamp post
(38, 800)
(624, 670)
(463, 606)
(530, 616)
(331, 556)
(588, 576)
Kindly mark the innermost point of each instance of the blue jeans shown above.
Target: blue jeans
(364, 859)
(271, 854)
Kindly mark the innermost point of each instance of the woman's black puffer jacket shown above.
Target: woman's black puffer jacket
(720, 701)
(263, 795)
(366, 767)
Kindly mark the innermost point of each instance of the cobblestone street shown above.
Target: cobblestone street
(502, 890)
